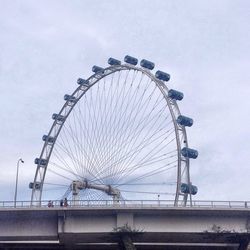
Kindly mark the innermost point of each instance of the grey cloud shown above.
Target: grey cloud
(46, 45)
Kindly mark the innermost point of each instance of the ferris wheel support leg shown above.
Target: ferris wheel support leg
(75, 200)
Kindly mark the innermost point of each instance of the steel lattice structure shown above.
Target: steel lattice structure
(119, 127)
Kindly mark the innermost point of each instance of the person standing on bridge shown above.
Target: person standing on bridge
(65, 202)
(50, 204)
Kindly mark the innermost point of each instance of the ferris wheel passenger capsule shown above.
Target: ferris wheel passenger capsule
(176, 95)
(41, 162)
(112, 61)
(49, 139)
(69, 98)
(184, 121)
(83, 82)
(58, 117)
(194, 190)
(147, 64)
(189, 153)
(185, 189)
(37, 185)
(162, 75)
(97, 69)
(130, 60)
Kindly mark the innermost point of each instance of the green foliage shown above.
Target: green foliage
(126, 229)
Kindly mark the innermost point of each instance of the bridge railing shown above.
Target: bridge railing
(126, 203)
(221, 204)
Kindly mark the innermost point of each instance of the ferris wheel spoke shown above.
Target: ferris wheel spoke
(129, 133)
(146, 184)
(54, 189)
(56, 173)
(94, 196)
(146, 192)
(149, 127)
(85, 146)
(66, 194)
(90, 136)
(115, 163)
(131, 153)
(116, 114)
(68, 147)
(61, 160)
(145, 121)
(99, 196)
(136, 134)
(80, 133)
(55, 165)
(97, 154)
(106, 94)
(74, 159)
(108, 103)
(135, 137)
(98, 122)
(92, 140)
(120, 171)
(123, 173)
(100, 137)
(127, 127)
(144, 164)
(77, 143)
(103, 141)
(56, 184)
(153, 172)
(71, 156)
(72, 148)
(137, 150)
(84, 195)
(118, 126)
(149, 154)
(149, 161)
(129, 121)
(113, 114)
(106, 135)
(121, 148)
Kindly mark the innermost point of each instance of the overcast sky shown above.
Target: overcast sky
(46, 45)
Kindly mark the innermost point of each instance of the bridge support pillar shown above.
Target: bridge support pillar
(243, 245)
(125, 220)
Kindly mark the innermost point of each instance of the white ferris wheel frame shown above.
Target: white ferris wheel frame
(183, 173)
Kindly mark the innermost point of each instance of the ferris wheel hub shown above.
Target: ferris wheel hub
(77, 186)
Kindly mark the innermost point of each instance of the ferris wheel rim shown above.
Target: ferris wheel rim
(97, 77)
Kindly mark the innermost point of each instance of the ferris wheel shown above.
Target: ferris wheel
(119, 136)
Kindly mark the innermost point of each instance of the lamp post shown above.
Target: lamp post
(17, 169)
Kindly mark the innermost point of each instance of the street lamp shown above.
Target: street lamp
(158, 200)
(17, 169)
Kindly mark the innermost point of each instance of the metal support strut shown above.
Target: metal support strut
(77, 186)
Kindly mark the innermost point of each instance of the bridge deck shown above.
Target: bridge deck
(149, 227)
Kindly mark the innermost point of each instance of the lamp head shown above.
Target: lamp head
(22, 160)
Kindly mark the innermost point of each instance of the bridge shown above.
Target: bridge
(128, 225)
